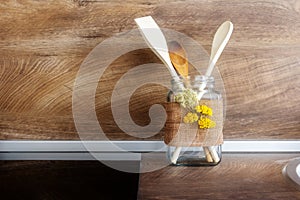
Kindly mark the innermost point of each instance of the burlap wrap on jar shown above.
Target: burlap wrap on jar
(177, 133)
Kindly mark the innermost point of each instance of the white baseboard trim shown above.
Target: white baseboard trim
(76, 150)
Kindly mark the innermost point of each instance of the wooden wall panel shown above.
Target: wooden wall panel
(43, 43)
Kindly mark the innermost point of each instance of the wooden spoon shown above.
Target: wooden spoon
(220, 40)
(178, 58)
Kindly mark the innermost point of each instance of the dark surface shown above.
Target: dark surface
(47, 180)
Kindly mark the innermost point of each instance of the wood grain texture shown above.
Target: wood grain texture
(238, 176)
(43, 43)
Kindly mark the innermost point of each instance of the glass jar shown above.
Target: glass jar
(193, 130)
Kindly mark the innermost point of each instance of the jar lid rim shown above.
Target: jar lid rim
(196, 78)
(203, 78)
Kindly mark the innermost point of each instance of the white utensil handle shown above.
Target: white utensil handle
(156, 40)
(175, 155)
(214, 154)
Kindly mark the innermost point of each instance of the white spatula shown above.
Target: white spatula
(157, 41)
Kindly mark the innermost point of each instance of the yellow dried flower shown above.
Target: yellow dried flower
(190, 118)
(205, 122)
(204, 110)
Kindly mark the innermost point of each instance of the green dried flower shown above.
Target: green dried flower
(187, 98)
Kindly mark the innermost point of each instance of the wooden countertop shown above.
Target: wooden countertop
(238, 176)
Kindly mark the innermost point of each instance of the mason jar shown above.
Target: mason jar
(194, 125)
